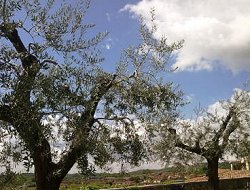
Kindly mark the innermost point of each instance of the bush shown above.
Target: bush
(9, 179)
(224, 165)
(135, 179)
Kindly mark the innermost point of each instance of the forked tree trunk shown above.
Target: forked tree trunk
(213, 177)
(49, 175)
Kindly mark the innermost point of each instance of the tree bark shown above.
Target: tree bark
(44, 169)
(212, 173)
(45, 183)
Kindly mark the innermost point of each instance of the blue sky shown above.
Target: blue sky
(208, 36)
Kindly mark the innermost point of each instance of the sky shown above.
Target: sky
(215, 58)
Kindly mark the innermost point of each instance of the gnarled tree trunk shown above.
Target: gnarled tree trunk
(212, 173)
(44, 168)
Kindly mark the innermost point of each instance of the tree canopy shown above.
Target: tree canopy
(56, 92)
(221, 130)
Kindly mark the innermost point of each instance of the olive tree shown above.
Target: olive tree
(55, 90)
(210, 136)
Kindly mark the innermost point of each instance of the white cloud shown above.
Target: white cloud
(108, 46)
(218, 109)
(214, 31)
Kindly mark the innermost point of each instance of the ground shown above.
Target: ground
(223, 174)
(146, 177)
(106, 180)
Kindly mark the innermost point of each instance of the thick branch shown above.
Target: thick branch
(224, 125)
(5, 113)
(102, 87)
(67, 162)
(234, 124)
(11, 33)
(29, 62)
(79, 146)
(178, 143)
(194, 149)
(98, 92)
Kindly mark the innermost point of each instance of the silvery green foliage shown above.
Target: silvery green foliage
(55, 93)
(221, 130)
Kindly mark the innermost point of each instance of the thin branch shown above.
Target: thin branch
(4, 11)
(115, 118)
(50, 113)
(48, 61)
(28, 31)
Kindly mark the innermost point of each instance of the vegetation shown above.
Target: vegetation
(171, 175)
(98, 181)
(210, 136)
(11, 180)
(58, 104)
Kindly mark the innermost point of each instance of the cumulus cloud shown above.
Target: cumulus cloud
(215, 32)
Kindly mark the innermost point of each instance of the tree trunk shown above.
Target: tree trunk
(212, 173)
(44, 177)
(44, 169)
(45, 183)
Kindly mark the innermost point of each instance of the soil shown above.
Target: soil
(223, 174)
(156, 177)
